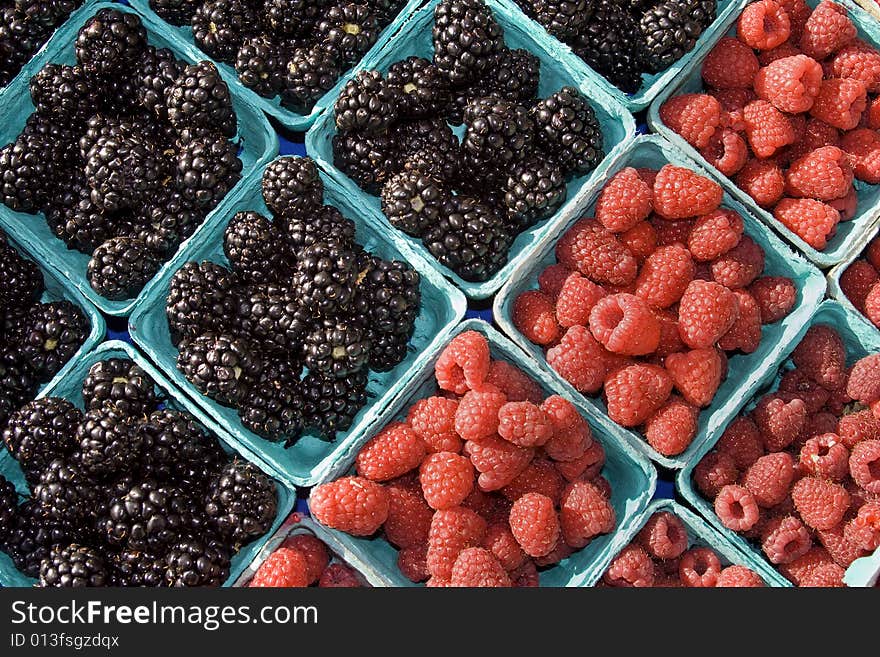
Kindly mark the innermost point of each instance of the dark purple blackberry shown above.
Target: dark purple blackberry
(155, 73)
(429, 146)
(369, 160)
(367, 104)
(220, 26)
(465, 36)
(284, 369)
(309, 74)
(110, 42)
(195, 561)
(292, 185)
(253, 247)
(199, 98)
(21, 281)
(515, 77)
(348, 30)
(207, 168)
(325, 224)
(273, 317)
(241, 503)
(134, 568)
(412, 202)
(8, 508)
(108, 442)
(424, 90)
(26, 172)
(31, 539)
(561, 18)
(123, 382)
(568, 131)
(336, 348)
(49, 13)
(613, 45)
(291, 18)
(534, 190)
(497, 132)
(671, 28)
(331, 404)
(124, 172)
(51, 334)
(85, 226)
(65, 493)
(272, 410)
(73, 566)
(201, 300)
(63, 93)
(120, 268)
(259, 65)
(176, 12)
(20, 38)
(166, 221)
(219, 366)
(325, 277)
(18, 383)
(386, 10)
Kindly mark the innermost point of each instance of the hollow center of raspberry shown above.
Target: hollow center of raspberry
(673, 535)
(769, 25)
(736, 510)
(352, 28)
(51, 344)
(700, 567)
(874, 469)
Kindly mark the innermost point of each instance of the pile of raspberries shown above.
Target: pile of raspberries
(481, 484)
(303, 560)
(659, 557)
(800, 473)
(649, 296)
(859, 282)
(790, 113)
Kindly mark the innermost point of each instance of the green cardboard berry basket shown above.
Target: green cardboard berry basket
(632, 477)
(859, 342)
(305, 462)
(851, 235)
(256, 140)
(69, 387)
(864, 572)
(746, 372)
(272, 106)
(834, 274)
(414, 38)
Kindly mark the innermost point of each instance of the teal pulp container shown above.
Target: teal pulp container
(70, 387)
(746, 371)
(272, 106)
(257, 144)
(631, 476)
(414, 38)
(851, 235)
(859, 342)
(305, 462)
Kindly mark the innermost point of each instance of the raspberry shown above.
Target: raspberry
(413, 562)
(409, 517)
(339, 575)
(827, 30)
(863, 148)
(733, 101)
(631, 568)
(790, 84)
(864, 529)
(763, 25)
(872, 305)
(740, 266)
(680, 193)
(715, 234)
(858, 61)
(599, 255)
(699, 567)
(798, 12)
(730, 65)
(664, 276)
(551, 279)
(633, 393)
(464, 363)
(813, 568)
(820, 503)
(811, 220)
(534, 524)
(797, 384)
(671, 232)
(787, 49)
(856, 282)
(715, 471)
(693, 116)
(824, 174)
(706, 312)
(736, 508)
(763, 181)
(579, 359)
(825, 456)
(872, 114)
(314, 551)
(864, 380)
(745, 334)
(539, 477)
(499, 540)
(672, 427)
(624, 201)
(739, 577)
(775, 295)
(477, 414)
(664, 536)
(524, 424)
(648, 175)
(864, 465)
(515, 384)
(726, 151)
(284, 568)
(452, 530)
(476, 566)
(769, 478)
(526, 576)
(816, 425)
(847, 205)
(572, 435)
(498, 461)
(640, 240)
(433, 420)
(821, 355)
(560, 552)
(533, 315)
(840, 545)
(481, 503)
(446, 479)
(354, 505)
(587, 465)
(817, 134)
(390, 453)
(670, 338)
(576, 299)
(742, 441)
(840, 103)
(603, 485)
(785, 539)
(696, 374)
(856, 427)
(872, 252)
(437, 582)
(624, 324)
(779, 421)
(584, 513)
(766, 127)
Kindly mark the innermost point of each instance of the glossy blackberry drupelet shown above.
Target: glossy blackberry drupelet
(273, 410)
(31, 539)
(26, 171)
(612, 43)
(8, 508)
(21, 281)
(534, 190)
(110, 42)
(671, 28)
(253, 247)
(74, 566)
(367, 104)
(121, 266)
(207, 168)
(20, 38)
(196, 561)
(241, 502)
(291, 18)
(326, 223)
(325, 277)
(561, 18)
(424, 89)
(369, 160)
(515, 77)
(124, 171)
(66, 493)
(413, 202)
(176, 12)
(219, 366)
(429, 146)
(199, 98)
(498, 133)
(41, 431)
(155, 73)
(201, 300)
(311, 72)
(568, 131)
(260, 65)
(18, 383)
(123, 382)
(292, 184)
(465, 36)
(136, 568)
(109, 445)
(337, 348)
(331, 404)
(348, 30)
(166, 221)
(50, 334)
(272, 317)
(220, 26)
(63, 93)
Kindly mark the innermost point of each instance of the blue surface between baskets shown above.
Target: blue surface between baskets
(618, 126)
(257, 144)
(850, 235)
(70, 387)
(746, 371)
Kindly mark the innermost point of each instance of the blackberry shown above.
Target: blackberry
(51, 334)
(424, 90)
(108, 442)
(20, 38)
(562, 18)
(272, 410)
(283, 370)
(63, 93)
(26, 172)
(386, 10)
(148, 517)
(220, 26)
(41, 431)
(196, 562)
(259, 66)
(497, 132)
(48, 13)
(325, 276)
(155, 73)
(273, 317)
(367, 104)
(166, 221)
(124, 172)
(291, 18)
(412, 202)
(534, 190)
(176, 450)
(73, 566)
(471, 239)
(64, 492)
(200, 300)
(241, 502)
(671, 28)
(251, 244)
(331, 404)
(131, 568)
(568, 131)
(199, 98)
(176, 12)
(515, 77)
(465, 36)
(207, 168)
(348, 31)
(325, 224)
(121, 381)
(120, 268)
(30, 541)
(310, 73)
(110, 42)
(8, 507)
(336, 348)
(18, 382)
(85, 226)
(21, 281)
(429, 146)
(292, 184)
(219, 366)
(369, 160)
(612, 44)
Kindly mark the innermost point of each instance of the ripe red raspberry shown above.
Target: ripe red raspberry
(856, 427)
(816, 425)
(580, 359)
(714, 234)
(787, 49)
(624, 324)
(699, 567)
(763, 25)
(872, 305)
(433, 420)
(775, 295)
(664, 536)
(499, 540)
(354, 505)
(515, 384)
(284, 568)
(827, 30)
(811, 220)
(706, 312)
(693, 116)
(823, 174)
(446, 479)
(413, 562)
(790, 84)
(587, 466)
(825, 456)
(464, 363)
(796, 383)
(841, 545)
(740, 266)
(742, 441)
(864, 380)
(769, 478)
(696, 374)
(437, 582)
(864, 529)
(680, 193)
(477, 414)
(390, 453)
(821, 355)
(856, 282)
(858, 61)
(524, 424)
(533, 315)
(715, 471)
(640, 240)
(452, 530)
(817, 134)
(785, 539)
(314, 551)
(726, 151)
(798, 12)
(767, 129)
(840, 103)
(762, 180)
(871, 117)
(562, 551)
(409, 517)
(477, 567)
(672, 427)
(739, 577)
(864, 465)
(569, 444)
(670, 339)
(340, 576)
(551, 279)
(625, 200)
(498, 461)
(631, 568)
(633, 393)
(862, 146)
(576, 299)
(664, 276)
(599, 256)
(730, 65)
(584, 513)
(815, 568)
(541, 476)
(671, 232)
(736, 508)
(820, 503)
(526, 576)
(534, 524)
(779, 421)
(732, 101)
